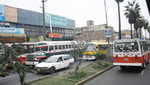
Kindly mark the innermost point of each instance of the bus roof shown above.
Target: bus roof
(128, 40)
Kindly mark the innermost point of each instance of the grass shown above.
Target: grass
(69, 77)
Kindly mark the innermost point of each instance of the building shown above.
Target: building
(32, 22)
(94, 32)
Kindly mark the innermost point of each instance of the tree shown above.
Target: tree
(138, 25)
(132, 12)
(10, 56)
(77, 54)
(145, 24)
(148, 29)
(99, 56)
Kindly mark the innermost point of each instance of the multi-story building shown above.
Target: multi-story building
(95, 32)
(32, 22)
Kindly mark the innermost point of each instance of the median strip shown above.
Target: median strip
(93, 76)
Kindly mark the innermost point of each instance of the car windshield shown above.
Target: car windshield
(126, 47)
(90, 48)
(51, 60)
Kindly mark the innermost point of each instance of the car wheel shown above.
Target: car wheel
(69, 65)
(52, 70)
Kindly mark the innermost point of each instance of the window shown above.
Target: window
(66, 46)
(66, 58)
(51, 48)
(90, 48)
(56, 47)
(59, 59)
(69, 46)
(126, 47)
(59, 47)
(63, 46)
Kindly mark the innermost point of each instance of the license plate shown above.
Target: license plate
(29, 63)
(125, 58)
(38, 69)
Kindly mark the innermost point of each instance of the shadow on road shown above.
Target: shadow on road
(131, 69)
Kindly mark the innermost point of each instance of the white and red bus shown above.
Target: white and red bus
(130, 52)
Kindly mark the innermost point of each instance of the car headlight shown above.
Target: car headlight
(36, 58)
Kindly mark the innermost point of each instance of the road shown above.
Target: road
(13, 79)
(116, 76)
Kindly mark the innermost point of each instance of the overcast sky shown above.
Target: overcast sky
(82, 10)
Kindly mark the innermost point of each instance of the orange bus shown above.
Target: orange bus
(130, 52)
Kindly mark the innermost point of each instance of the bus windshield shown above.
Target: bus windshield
(126, 47)
(41, 49)
(90, 48)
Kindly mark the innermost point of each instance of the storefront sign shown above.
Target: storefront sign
(2, 13)
(55, 19)
(55, 35)
(11, 30)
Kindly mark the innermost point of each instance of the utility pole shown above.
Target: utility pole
(106, 18)
(44, 19)
(118, 1)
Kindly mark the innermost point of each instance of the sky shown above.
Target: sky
(82, 10)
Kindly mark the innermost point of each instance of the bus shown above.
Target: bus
(45, 49)
(93, 48)
(28, 47)
(130, 52)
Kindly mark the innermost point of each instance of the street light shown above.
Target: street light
(44, 19)
(119, 17)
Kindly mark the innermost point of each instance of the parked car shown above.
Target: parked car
(55, 62)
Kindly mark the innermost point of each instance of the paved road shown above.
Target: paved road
(13, 79)
(115, 76)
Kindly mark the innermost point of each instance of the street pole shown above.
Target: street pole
(106, 19)
(119, 17)
(44, 20)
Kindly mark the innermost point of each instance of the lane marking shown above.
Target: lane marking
(7, 77)
(143, 72)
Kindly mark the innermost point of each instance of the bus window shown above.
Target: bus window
(51, 48)
(69, 46)
(60, 47)
(44, 49)
(56, 47)
(126, 47)
(90, 48)
(66, 46)
(63, 46)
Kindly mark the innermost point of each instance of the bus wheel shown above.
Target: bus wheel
(52, 70)
(144, 66)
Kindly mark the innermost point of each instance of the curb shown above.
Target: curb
(93, 76)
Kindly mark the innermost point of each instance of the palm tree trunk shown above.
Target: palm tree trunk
(131, 30)
(140, 33)
(136, 33)
(145, 34)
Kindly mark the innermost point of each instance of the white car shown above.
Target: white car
(55, 62)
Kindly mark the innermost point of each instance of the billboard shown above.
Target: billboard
(2, 13)
(55, 35)
(55, 19)
(11, 30)
(108, 32)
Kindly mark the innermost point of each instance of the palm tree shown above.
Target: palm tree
(145, 24)
(132, 12)
(148, 29)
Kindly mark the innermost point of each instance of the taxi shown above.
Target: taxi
(55, 62)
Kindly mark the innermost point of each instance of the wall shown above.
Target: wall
(11, 14)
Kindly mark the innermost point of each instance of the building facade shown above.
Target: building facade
(32, 22)
(93, 32)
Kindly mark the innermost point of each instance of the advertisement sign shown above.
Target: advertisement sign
(108, 32)
(2, 12)
(55, 35)
(11, 30)
(55, 19)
